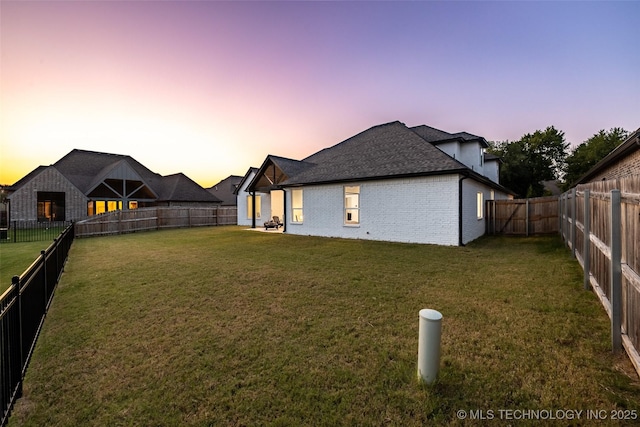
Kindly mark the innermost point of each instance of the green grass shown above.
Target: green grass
(221, 326)
(15, 258)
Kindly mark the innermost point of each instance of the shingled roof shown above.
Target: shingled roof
(225, 190)
(388, 150)
(86, 169)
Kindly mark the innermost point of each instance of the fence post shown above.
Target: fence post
(616, 271)
(15, 281)
(586, 252)
(574, 226)
(565, 219)
(526, 218)
(43, 259)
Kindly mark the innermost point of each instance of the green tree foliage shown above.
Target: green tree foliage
(586, 155)
(535, 158)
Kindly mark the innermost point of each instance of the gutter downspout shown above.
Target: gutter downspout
(284, 211)
(462, 178)
(253, 209)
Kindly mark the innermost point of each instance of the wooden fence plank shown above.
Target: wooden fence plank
(155, 218)
(610, 253)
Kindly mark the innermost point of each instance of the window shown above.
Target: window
(101, 207)
(296, 206)
(250, 206)
(114, 205)
(480, 206)
(352, 205)
(51, 206)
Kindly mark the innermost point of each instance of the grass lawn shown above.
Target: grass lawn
(222, 326)
(15, 258)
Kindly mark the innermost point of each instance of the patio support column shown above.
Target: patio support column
(284, 210)
(253, 209)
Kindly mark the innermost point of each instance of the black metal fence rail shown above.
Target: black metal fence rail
(23, 308)
(32, 231)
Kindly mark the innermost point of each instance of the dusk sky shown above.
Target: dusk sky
(210, 88)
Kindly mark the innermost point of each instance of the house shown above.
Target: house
(249, 206)
(85, 183)
(225, 190)
(621, 162)
(389, 182)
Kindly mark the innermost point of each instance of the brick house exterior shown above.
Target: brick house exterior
(623, 161)
(85, 183)
(389, 183)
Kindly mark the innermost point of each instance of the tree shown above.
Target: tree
(535, 158)
(586, 155)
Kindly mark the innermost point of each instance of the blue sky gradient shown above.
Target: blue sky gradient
(210, 88)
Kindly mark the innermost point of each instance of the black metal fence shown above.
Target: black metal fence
(23, 308)
(32, 231)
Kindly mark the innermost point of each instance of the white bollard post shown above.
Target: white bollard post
(429, 345)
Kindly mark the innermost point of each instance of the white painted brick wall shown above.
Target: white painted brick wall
(419, 210)
(472, 227)
(265, 205)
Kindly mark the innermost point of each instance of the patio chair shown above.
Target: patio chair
(273, 223)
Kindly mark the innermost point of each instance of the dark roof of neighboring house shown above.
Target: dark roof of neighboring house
(225, 190)
(384, 151)
(180, 188)
(631, 144)
(552, 187)
(83, 167)
(28, 177)
(86, 169)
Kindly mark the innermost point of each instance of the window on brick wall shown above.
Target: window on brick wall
(480, 205)
(296, 206)
(51, 206)
(352, 205)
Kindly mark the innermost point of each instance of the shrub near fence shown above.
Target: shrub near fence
(601, 225)
(156, 218)
(23, 308)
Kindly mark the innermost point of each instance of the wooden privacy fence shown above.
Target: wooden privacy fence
(600, 222)
(156, 218)
(522, 216)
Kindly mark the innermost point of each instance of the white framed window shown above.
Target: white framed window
(352, 205)
(250, 206)
(480, 205)
(296, 206)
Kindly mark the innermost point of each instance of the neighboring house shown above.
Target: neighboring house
(551, 188)
(621, 162)
(390, 182)
(225, 190)
(86, 183)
